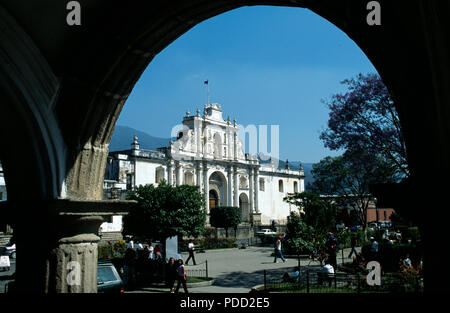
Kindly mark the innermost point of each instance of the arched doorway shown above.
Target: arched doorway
(213, 199)
(218, 185)
(244, 206)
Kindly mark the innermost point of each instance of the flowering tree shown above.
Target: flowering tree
(364, 123)
(364, 120)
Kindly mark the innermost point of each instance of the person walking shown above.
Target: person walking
(332, 248)
(151, 255)
(373, 249)
(353, 243)
(181, 271)
(191, 248)
(129, 268)
(171, 274)
(278, 253)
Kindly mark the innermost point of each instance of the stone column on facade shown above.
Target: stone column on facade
(235, 139)
(230, 186)
(179, 172)
(170, 173)
(206, 185)
(236, 186)
(199, 175)
(198, 129)
(251, 190)
(256, 190)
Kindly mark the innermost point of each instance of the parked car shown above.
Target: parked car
(385, 224)
(9, 249)
(373, 225)
(108, 279)
(355, 227)
(266, 232)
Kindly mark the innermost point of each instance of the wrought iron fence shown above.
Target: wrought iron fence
(199, 270)
(311, 281)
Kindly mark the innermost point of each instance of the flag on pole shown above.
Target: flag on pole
(206, 82)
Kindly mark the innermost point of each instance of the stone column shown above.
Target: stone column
(179, 173)
(251, 194)
(206, 184)
(230, 186)
(198, 129)
(170, 173)
(199, 175)
(235, 139)
(236, 187)
(64, 259)
(256, 189)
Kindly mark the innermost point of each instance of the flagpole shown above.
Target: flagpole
(207, 88)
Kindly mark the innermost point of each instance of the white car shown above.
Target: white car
(266, 232)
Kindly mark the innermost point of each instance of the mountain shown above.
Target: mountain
(123, 137)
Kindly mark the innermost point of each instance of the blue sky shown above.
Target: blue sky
(265, 65)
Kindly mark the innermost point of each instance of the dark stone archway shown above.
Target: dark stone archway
(78, 79)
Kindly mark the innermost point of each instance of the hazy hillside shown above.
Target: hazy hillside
(123, 137)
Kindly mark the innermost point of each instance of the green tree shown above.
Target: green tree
(299, 235)
(225, 217)
(317, 212)
(348, 178)
(166, 211)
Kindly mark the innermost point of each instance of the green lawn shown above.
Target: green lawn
(191, 280)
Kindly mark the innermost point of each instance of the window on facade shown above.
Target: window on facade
(242, 182)
(280, 185)
(189, 178)
(295, 186)
(129, 181)
(159, 175)
(261, 184)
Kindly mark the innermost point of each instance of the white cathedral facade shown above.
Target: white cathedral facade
(208, 153)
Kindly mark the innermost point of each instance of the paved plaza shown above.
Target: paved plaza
(238, 270)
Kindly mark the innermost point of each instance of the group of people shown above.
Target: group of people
(176, 271)
(147, 251)
(140, 259)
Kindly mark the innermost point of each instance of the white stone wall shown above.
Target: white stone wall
(114, 226)
(146, 172)
(270, 201)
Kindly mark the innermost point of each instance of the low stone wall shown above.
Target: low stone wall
(4, 239)
(110, 236)
(242, 232)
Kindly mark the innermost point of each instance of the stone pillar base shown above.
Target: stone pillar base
(256, 218)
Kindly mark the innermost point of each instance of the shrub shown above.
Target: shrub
(209, 243)
(390, 255)
(116, 250)
(210, 232)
